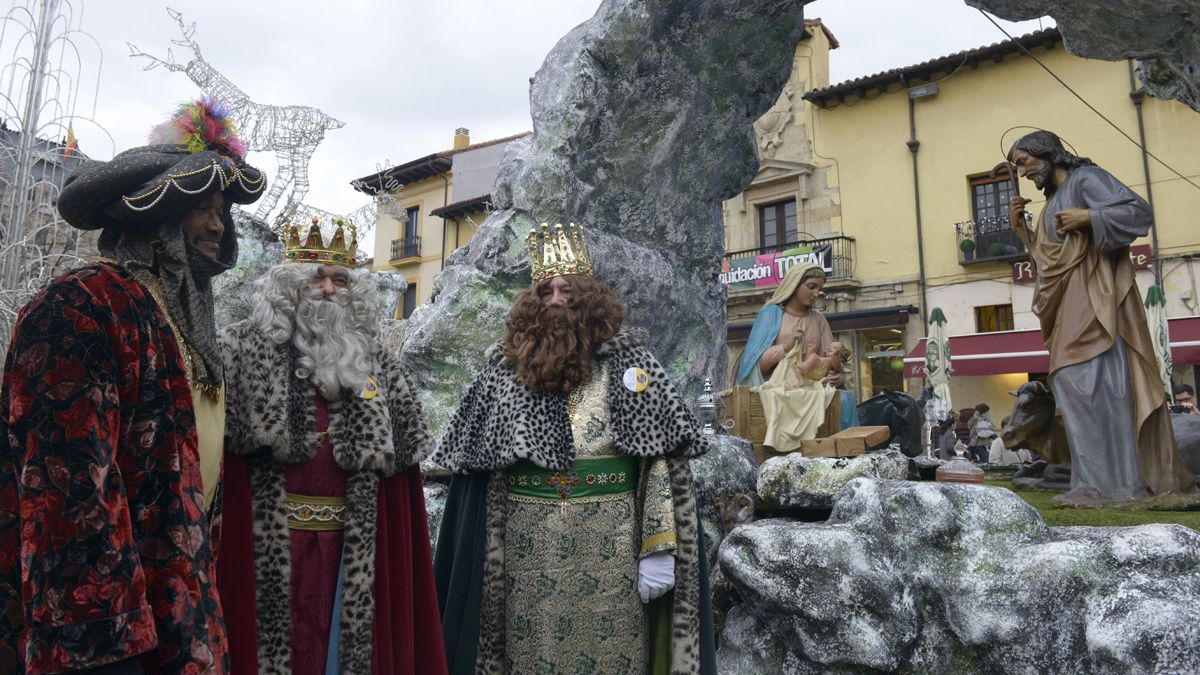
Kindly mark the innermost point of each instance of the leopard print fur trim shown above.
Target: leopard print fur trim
(500, 421)
(273, 569)
(384, 434)
(490, 651)
(358, 556)
(685, 617)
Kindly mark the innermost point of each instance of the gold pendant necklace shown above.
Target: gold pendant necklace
(573, 401)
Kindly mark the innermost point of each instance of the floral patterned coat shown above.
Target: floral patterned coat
(104, 541)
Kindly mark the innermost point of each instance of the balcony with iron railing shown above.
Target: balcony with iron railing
(987, 240)
(839, 248)
(405, 248)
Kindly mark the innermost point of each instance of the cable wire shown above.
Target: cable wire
(1084, 101)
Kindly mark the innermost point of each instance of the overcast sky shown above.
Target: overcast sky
(403, 75)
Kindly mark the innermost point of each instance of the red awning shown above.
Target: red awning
(1023, 351)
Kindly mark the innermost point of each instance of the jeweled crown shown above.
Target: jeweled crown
(312, 249)
(555, 251)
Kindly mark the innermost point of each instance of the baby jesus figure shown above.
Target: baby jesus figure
(815, 367)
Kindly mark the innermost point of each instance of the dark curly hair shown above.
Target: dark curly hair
(1046, 146)
(553, 346)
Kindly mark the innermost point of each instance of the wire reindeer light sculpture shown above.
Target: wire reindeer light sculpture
(292, 132)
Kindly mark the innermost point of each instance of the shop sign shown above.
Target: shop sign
(768, 269)
(1140, 256)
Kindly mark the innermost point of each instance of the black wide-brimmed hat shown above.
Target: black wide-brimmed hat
(158, 183)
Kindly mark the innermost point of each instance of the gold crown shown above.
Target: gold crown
(314, 249)
(553, 254)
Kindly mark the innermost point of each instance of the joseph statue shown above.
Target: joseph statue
(1102, 366)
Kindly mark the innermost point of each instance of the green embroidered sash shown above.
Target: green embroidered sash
(590, 479)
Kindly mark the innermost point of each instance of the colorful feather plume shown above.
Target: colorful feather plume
(203, 124)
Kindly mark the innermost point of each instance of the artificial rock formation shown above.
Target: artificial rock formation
(436, 492)
(934, 577)
(728, 469)
(923, 468)
(797, 482)
(1163, 35)
(642, 125)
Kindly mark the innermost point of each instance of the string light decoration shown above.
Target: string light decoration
(48, 92)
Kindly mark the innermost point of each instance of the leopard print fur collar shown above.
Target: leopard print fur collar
(270, 409)
(500, 421)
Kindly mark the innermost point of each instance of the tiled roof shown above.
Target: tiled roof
(462, 207)
(484, 144)
(420, 168)
(926, 69)
(817, 23)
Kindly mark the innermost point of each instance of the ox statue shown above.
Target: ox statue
(1036, 424)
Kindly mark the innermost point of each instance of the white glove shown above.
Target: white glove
(656, 575)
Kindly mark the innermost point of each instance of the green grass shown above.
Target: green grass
(1054, 516)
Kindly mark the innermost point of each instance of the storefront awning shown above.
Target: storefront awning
(1023, 351)
(876, 317)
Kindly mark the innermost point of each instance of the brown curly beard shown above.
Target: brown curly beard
(553, 346)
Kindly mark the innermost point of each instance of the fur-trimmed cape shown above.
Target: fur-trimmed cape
(388, 618)
(500, 422)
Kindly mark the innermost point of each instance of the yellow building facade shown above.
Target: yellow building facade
(892, 172)
(429, 207)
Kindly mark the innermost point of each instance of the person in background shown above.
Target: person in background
(1185, 399)
(1004, 456)
(948, 437)
(982, 433)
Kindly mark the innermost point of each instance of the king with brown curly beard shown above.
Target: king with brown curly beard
(570, 541)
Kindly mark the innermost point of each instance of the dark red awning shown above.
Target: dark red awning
(1023, 351)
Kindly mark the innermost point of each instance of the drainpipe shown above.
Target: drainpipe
(445, 202)
(913, 145)
(1138, 95)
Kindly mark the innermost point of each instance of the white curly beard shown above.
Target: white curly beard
(333, 354)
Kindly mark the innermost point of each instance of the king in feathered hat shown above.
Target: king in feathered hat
(113, 416)
(164, 214)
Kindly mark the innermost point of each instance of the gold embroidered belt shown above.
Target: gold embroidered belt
(590, 479)
(316, 514)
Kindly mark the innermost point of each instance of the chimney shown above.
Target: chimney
(462, 138)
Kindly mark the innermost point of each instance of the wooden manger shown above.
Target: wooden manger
(744, 409)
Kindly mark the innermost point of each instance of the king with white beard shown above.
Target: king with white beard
(325, 563)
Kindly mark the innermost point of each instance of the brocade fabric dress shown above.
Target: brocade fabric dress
(571, 572)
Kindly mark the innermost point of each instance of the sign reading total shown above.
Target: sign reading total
(768, 269)
(1140, 256)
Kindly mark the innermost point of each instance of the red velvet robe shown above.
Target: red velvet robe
(406, 637)
(105, 548)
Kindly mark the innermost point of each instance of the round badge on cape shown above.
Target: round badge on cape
(636, 379)
(370, 389)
